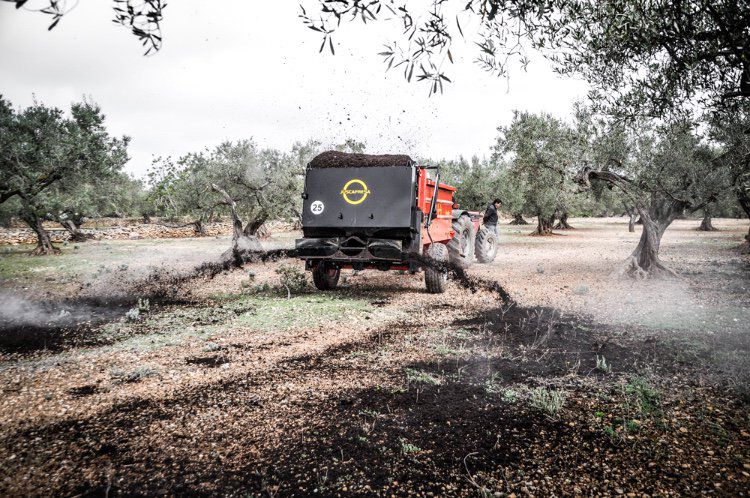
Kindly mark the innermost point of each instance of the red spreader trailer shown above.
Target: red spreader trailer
(364, 211)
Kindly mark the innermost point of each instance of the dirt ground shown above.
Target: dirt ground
(589, 385)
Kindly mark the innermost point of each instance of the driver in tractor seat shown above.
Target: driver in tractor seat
(490, 215)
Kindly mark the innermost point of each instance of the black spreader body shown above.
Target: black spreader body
(371, 201)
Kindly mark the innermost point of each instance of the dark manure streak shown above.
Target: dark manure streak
(163, 287)
(459, 274)
(160, 283)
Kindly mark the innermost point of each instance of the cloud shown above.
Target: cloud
(238, 69)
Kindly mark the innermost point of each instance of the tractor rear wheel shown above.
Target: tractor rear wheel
(486, 245)
(326, 276)
(461, 246)
(435, 277)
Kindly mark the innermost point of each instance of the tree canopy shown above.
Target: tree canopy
(639, 56)
(53, 164)
(530, 144)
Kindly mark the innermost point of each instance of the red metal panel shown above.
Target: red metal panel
(441, 227)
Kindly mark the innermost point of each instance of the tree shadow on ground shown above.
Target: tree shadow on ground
(446, 427)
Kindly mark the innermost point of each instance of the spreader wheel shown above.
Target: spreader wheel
(461, 246)
(486, 245)
(435, 278)
(326, 276)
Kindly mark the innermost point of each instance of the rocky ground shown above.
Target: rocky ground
(588, 385)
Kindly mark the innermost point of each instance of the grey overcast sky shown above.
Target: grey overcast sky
(248, 69)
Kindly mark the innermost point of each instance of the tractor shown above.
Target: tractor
(363, 211)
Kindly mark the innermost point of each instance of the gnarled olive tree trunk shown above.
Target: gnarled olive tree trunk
(544, 224)
(199, 227)
(76, 234)
(563, 223)
(707, 223)
(72, 222)
(743, 197)
(44, 244)
(244, 241)
(253, 228)
(518, 219)
(644, 260)
(632, 215)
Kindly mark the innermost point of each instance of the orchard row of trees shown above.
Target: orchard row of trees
(670, 84)
(66, 168)
(536, 161)
(60, 168)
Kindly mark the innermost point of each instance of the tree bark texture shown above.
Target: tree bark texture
(644, 261)
(518, 220)
(563, 223)
(76, 234)
(243, 245)
(544, 225)
(743, 197)
(707, 224)
(44, 244)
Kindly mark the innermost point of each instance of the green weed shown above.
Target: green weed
(421, 377)
(550, 401)
(408, 448)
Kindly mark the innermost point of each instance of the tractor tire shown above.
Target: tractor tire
(461, 246)
(485, 246)
(435, 280)
(325, 276)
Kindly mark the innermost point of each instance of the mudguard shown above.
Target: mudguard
(457, 213)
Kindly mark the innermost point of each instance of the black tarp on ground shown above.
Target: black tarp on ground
(335, 159)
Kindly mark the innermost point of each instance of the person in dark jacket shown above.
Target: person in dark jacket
(490, 215)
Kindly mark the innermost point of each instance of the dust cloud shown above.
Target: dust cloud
(162, 285)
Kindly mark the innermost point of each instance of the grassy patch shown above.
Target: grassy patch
(262, 312)
(16, 264)
(550, 401)
(421, 377)
(280, 313)
(444, 350)
(407, 448)
(637, 403)
(644, 396)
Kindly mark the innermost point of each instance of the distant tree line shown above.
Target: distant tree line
(65, 168)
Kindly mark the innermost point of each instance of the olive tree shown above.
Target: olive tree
(49, 161)
(513, 190)
(254, 185)
(530, 144)
(730, 130)
(183, 190)
(670, 170)
(107, 195)
(602, 143)
(478, 181)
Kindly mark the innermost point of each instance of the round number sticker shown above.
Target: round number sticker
(317, 207)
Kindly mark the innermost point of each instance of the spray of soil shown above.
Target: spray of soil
(33, 325)
(460, 276)
(166, 285)
(29, 325)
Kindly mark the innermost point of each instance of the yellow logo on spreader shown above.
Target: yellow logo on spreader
(355, 191)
